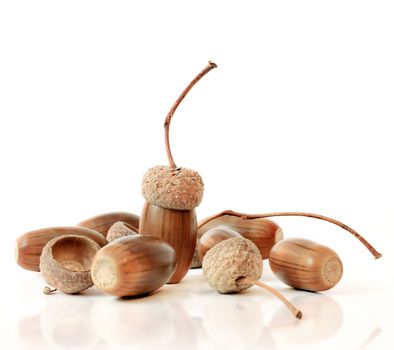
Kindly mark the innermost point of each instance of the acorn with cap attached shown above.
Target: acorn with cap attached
(172, 193)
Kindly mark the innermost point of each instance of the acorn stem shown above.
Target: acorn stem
(48, 290)
(373, 251)
(167, 122)
(297, 313)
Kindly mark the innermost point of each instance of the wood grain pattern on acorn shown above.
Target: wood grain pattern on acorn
(262, 232)
(306, 265)
(29, 246)
(133, 265)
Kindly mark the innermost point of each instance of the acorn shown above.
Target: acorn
(212, 237)
(120, 229)
(306, 265)
(172, 193)
(262, 232)
(102, 223)
(29, 246)
(65, 263)
(133, 265)
(234, 265)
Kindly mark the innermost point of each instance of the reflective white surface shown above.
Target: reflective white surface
(190, 315)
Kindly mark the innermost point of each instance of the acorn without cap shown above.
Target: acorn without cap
(172, 193)
(133, 265)
(262, 232)
(306, 265)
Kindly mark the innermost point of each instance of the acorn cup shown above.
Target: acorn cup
(103, 222)
(65, 263)
(172, 193)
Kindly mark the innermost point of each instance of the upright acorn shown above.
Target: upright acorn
(172, 193)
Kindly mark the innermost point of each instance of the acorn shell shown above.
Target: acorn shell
(212, 237)
(65, 263)
(176, 227)
(228, 263)
(306, 265)
(133, 265)
(29, 246)
(262, 232)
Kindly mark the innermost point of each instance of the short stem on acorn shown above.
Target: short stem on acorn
(297, 313)
(167, 122)
(48, 290)
(373, 251)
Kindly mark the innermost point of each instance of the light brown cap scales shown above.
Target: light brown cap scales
(180, 188)
(229, 264)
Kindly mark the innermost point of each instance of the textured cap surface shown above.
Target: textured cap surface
(180, 189)
(229, 261)
(120, 229)
(60, 276)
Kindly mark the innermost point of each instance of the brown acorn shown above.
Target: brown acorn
(172, 193)
(102, 223)
(306, 265)
(212, 237)
(29, 246)
(262, 232)
(251, 217)
(65, 263)
(133, 265)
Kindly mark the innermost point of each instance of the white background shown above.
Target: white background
(297, 116)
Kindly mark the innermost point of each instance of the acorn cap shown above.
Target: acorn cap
(180, 188)
(231, 263)
(65, 263)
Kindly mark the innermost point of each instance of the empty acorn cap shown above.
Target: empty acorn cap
(180, 188)
(120, 229)
(65, 263)
(231, 264)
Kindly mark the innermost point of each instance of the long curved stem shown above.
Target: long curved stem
(373, 251)
(297, 313)
(167, 122)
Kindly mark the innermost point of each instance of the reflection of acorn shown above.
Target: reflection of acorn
(65, 324)
(126, 324)
(232, 323)
(133, 265)
(324, 317)
(65, 263)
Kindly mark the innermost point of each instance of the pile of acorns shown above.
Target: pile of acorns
(125, 255)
